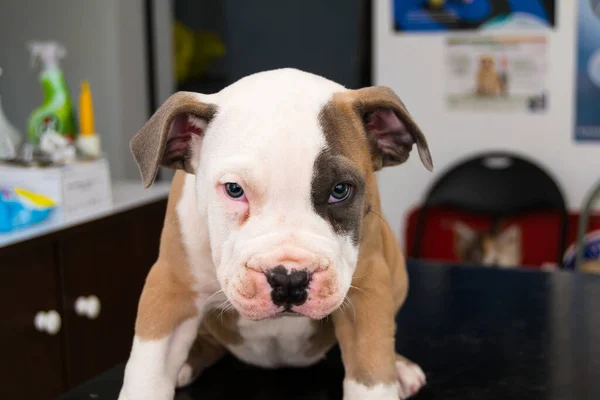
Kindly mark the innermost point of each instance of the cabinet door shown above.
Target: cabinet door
(104, 265)
(32, 361)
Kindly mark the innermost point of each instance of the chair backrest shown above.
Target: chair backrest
(496, 184)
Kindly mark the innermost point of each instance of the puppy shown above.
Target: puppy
(488, 81)
(273, 224)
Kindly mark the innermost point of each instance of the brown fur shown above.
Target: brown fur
(149, 144)
(488, 82)
(167, 299)
(365, 329)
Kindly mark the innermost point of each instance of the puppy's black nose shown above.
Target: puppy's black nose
(288, 288)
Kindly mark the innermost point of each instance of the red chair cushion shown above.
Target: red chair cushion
(540, 233)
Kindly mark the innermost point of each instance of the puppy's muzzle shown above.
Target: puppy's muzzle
(288, 288)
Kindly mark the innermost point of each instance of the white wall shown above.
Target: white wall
(106, 44)
(413, 66)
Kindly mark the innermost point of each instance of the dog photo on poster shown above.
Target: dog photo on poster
(587, 81)
(470, 15)
(496, 73)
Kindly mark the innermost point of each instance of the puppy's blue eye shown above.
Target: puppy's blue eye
(234, 190)
(340, 192)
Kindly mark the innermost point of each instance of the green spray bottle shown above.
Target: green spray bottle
(56, 113)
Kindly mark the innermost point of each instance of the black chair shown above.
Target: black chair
(497, 185)
(583, 222)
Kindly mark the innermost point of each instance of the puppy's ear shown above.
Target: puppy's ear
(510, 237)
(166, 139)
(390, 128)
(464, 236)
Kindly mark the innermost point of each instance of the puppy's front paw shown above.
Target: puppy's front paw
(411, 377)
(187, 375)
(354, 390)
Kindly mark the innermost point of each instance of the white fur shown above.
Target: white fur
(357, 391)
(194, 233)
(266, 131)
(275, 342)
(153, 365)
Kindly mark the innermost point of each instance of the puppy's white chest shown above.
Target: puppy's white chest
(275, 343)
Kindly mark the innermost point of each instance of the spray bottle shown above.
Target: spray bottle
(10, 138)
(56, 113)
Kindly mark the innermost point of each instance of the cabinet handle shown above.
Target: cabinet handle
(88, 306)
(48, 321)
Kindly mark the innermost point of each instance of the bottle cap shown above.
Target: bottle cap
(86, 110)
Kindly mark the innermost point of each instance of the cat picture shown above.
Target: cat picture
(495, 248)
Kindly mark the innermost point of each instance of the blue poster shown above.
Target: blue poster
(470, 15)
(587, 81)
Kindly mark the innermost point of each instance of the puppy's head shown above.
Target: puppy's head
(284, 167)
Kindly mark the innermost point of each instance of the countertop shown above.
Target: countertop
(126, 195)
(478, 333)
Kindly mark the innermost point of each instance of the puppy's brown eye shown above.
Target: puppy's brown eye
(234, 190)
(340, 192)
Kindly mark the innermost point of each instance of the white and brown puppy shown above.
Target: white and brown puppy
(273, 224)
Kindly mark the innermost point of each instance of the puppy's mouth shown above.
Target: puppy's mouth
(288, 313)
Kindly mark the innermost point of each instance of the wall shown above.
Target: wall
(105, 44)
(322, 37)
(412, 65)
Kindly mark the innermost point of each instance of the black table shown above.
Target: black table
(477, 333)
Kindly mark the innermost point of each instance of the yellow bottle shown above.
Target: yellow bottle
(88, 141)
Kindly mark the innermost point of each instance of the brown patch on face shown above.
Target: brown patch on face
(167, 298)
(365, 130)
(346, 160)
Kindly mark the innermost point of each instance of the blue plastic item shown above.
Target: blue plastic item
(20, 208)
(591, 250)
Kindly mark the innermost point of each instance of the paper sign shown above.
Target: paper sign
(496, 73)
(587, 80)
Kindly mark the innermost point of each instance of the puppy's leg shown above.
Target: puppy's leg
(205, 352)
(365, 331)
(169, 313)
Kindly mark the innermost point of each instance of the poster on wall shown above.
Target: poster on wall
(471, 15)
(587, 80)
(496, 73)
